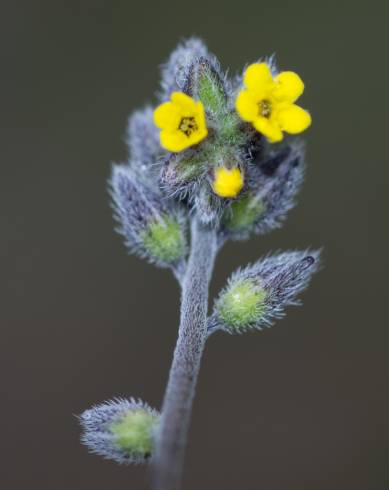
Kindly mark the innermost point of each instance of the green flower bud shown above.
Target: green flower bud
(163, 239)
(133, 433)
(272, 188)
(121, 430)
(241, 304)
(180, 170)
(243, 213)
(258, 294)
(208, 85)
(154, 227)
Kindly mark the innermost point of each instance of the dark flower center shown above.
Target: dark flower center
(264, 108)
(188, 125)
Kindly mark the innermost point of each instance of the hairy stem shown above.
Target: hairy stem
(177, 405)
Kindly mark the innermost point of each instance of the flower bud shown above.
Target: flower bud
(243, 213)
(275, 182)
(143, 143)
(227, 182)
(243, 303)
(205, 83)
(206, 188)
(181, 173)
(175, 71)
(151, 228)
(257, 295)
(121, 430)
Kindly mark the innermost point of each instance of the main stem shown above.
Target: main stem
(177, 405)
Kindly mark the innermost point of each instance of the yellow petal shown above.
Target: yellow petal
(227, 183)
(185, 103)
(167, 116)
(174, 141)
(246, 106)
(268, 128)
(289, 86)
(197, 136)
(293, 119)
(258, 77)
(200, 115)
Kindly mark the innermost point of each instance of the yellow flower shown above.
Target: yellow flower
(182, 122)
(227, 183)
(268, 103)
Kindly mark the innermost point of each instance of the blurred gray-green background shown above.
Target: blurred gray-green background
(303, 405)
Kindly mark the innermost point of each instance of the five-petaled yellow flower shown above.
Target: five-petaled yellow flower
(268, 103)
(227, 183)
(182, 122)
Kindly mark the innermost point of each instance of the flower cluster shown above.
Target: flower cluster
(214, 147)
(266, 101)
(218, 154)
(213, 127)
(208, 142)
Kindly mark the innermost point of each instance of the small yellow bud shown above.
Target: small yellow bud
(227, 183)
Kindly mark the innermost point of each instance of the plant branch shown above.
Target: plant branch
(172, 433)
